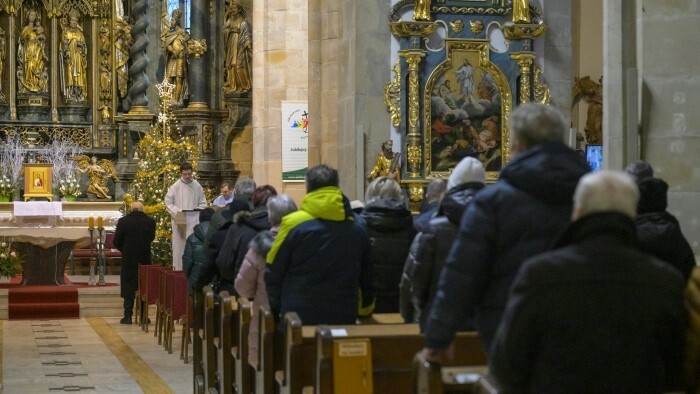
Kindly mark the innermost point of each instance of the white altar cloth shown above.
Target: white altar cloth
(46, 237)
(38, 208)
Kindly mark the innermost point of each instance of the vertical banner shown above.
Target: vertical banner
(295, 140)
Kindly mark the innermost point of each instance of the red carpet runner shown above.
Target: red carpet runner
(43, 302)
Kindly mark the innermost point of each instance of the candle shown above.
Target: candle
(100, 224)
(91, 222)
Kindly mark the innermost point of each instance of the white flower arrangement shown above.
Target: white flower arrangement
(6, 186)
(69, 187)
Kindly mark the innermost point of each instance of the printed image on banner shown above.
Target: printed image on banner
(295, 140)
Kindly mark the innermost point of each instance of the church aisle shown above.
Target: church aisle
(91, 355)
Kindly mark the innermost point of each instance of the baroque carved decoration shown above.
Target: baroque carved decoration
(43, 135)
(139, 59)
(542, 93)
(525, 61)
(392, 95)
(66, 6)
(208, 138)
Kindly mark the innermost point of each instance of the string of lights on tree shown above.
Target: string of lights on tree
(160, 153)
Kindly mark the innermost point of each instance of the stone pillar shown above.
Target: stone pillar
(198, 81)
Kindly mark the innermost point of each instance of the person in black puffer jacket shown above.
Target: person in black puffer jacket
(194, 256)
(213, 245)
(658, 231)
(514, 219)
(391, 231)
(430, 247)
(246, 225)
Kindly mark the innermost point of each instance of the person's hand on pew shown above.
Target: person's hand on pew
(436, 355)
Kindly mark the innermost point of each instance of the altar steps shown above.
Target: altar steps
(95, 301)
(42, 302)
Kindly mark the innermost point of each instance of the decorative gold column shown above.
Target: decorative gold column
(415, 30)
(11, 67)
(525, 61)
(413, 147)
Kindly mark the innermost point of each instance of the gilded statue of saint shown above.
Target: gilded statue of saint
(521, 11)
(387, 162)
(421, 11)
(238, 44)
(31, 55)
(98, 174)
(175, 52)
(74, 53)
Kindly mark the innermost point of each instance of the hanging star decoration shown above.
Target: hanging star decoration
(165, 90)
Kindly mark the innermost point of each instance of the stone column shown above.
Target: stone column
(197, 71)
(139, 59)
(413, 145)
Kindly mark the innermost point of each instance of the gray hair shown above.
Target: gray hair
(244, 186)
(532, 124)
(606, 191)
(383, 188)
(436, 188)
(278, 206)
(640, 170)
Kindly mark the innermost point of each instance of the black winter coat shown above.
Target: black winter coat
(133, 237)
(429, 251)
(390, 227)
(194, 255)
(595, 315)
(246, 225)
(506, 223)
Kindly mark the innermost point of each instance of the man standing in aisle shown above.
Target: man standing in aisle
(185, 194)
(133, 238)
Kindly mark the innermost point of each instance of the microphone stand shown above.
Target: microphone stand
(91, 280)
(101, 255)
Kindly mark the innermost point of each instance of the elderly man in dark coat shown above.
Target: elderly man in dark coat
(133, 238)
(596, 314)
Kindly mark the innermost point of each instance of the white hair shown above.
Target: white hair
(383, 188)
(278, 206)
(606, 191)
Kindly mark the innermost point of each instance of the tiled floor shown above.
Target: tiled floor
(70, 355)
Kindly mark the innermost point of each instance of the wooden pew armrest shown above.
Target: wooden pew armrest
(279, 377)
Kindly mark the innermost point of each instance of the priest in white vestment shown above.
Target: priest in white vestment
(185, 194)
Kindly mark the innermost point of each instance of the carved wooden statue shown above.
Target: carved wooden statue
(238, 44)
(75, 58)
(31, 56)
(592, 92)
(175, 51)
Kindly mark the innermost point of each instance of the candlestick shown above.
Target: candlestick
(100, 223)
(91, 222)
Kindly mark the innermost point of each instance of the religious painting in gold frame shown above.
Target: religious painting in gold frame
(38, 180)
(467, 102)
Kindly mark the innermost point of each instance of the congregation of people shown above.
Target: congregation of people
(576, 281)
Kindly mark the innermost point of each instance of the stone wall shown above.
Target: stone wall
(657, 39)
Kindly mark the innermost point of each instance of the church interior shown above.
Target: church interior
(101, 100)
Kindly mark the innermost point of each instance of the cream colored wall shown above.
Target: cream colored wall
(280, 72)
(588, 51)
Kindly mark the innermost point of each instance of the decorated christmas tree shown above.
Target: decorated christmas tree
(160, 152)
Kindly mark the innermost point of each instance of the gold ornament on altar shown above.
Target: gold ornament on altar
(476, 27)
(421, 11)
(98, 174)
(457, 26)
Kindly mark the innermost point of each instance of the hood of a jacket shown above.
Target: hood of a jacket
(652, 195)
(387, 215)
(548, 171)
(257, 219)
(200, 230)
(455, 200)
(600, 224)
(325, 203)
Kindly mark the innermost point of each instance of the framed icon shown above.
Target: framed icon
(38, 180)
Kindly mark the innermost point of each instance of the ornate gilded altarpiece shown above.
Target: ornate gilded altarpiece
(462, 68)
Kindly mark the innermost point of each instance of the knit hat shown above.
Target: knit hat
(652, 195)
(234, 207)
(467, 170)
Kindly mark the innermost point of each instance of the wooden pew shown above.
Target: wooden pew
(243, 382)
(392, 349)
(197, 324)
(459, 374)
(264, 369)
(227, 339)
(298, 355)
(207, 334)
